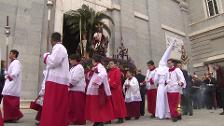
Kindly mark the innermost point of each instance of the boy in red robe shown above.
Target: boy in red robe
(132, 96)
(116, 90)
(55, 105)
(99, 107)
(12, 89)
(77, 91)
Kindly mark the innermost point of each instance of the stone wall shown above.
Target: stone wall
(206, 35)
(26, 21)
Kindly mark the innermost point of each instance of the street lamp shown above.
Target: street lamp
(7, 34)
(49, 6)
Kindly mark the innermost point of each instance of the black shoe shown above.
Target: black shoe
(221, 113)
(184, 113)
(179, 117)
(191, 114)
(101, 124)
(37, 123)
(152, 116)
(120, 120)
(127, 118)
(175, 119)
(137, 118)
(98, 124)
(108, 122)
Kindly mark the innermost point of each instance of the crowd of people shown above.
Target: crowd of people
(71, 95)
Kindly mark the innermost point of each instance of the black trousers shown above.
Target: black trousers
(196, 96)
(186, 102)
(211, 97)
(142, 104)
(222, 98)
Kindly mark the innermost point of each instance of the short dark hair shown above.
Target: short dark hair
(114, 61)
(171, 60)
(132, 71)
(2, 64)
(97, 58)
(150, 62)
(76, 57)
(174, 61)
(56, 36)
(15, 52)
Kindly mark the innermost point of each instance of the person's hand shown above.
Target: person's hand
(127, 86)
(45, 57)
(9, 78)
(151, 81)
(181, 84)
(71, 86)
(95, 84)
(143, 83)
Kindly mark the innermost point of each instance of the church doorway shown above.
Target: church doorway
(70, 38)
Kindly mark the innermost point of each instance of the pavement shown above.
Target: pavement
(200, 118)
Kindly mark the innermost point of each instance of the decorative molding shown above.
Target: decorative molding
(198, 65)
(141, 16)
(177, 1)
(206, 29)
(184, 6)
(213, 59)
(99, 3)
(116, 7)
(176, 31)
(205, 19)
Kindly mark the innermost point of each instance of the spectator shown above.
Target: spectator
(2, 78)
(210, 93)
(141, 79)
(195, 91)
(220, 84)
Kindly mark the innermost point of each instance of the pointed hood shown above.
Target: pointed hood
(166, 55)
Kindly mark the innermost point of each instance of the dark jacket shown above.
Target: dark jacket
(2, 80)
(187, 79)
(141, 78)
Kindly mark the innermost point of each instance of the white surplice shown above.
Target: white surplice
(13, 87)
(57, 65)
(77, 78)
(174, 80)
(150, 75)
(132, 93)
(99, 77)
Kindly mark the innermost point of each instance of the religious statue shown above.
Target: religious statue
(184, 56)
(100, 42)
(83, 45)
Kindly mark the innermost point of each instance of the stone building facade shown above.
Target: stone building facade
(144, 26)
(207, 34)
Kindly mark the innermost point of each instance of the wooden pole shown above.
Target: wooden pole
(80, 35)
(7, 33)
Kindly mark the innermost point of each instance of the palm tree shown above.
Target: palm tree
(87, 19)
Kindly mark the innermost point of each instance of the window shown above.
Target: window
(212, 7)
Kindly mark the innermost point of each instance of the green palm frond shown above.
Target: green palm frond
(89, 19)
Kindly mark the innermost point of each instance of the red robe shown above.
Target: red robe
(11, 106)
(55, 107)
(119, 107)
(1, 120)
(77, 107)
